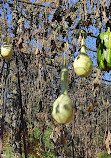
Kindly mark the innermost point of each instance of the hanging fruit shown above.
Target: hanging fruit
(63, 107)
(6, 51)
(104, 50)
(82, 63)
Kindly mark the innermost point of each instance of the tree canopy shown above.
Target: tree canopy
(39, 33)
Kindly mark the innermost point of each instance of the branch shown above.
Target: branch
(88, 33)
(2, 69)
(31, 3)
(91, 34)
(86, 48)
(106, 80)
(91, 49)
(36, 4)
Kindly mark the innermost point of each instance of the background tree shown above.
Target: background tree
(30, 79)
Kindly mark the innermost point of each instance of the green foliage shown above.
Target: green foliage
(36, 133)
(29, 81)
(103, 155)
(46, 138)
(49, 154)
(8, 152)
(29, 156)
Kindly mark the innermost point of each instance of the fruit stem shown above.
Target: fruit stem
(83, 47)
(108, 29)
(64, 81)
(64, 59)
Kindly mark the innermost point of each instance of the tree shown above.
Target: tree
(30, 79)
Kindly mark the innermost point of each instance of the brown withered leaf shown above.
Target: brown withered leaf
(108, 143)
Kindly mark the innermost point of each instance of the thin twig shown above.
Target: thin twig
(36, 4)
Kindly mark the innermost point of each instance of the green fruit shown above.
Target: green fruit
(82, 63)
(63, 107)
(104, 51)
(6, 51)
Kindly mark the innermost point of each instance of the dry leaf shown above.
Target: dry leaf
(108, 143)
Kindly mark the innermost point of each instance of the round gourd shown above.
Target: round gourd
(63, 107)
(6, 51)
(104, 50)
(82, 63)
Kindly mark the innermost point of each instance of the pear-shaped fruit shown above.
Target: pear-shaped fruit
(6, 51)
(63, 107)
(82, 63)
